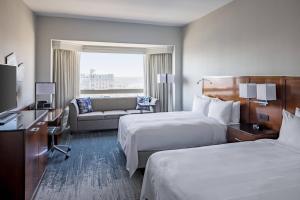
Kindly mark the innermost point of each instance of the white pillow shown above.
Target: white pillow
(200, 105)
(235, 115)
(297, 112)
(290, 130)
(221, 111)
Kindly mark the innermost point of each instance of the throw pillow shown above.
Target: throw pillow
(84, 105)
(143, 102)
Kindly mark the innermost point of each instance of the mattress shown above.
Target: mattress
(258, 170)
(165, 131)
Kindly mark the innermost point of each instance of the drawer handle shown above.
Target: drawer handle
(35, 130)
(40, 123)
(238, 140)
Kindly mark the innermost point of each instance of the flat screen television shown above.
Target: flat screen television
(8, 84)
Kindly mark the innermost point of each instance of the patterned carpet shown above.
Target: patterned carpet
(95, 170)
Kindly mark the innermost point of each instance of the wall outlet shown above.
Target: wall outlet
(263, 117)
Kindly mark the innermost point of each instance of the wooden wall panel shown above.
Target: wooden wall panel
(274, 108)
(287, 89)
(292, 93)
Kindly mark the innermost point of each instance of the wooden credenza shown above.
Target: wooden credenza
(23, 154)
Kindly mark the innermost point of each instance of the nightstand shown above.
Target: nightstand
(245, 132)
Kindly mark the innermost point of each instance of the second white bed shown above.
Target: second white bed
(258, 170)
(166, 131)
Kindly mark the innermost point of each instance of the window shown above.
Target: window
(111, 74)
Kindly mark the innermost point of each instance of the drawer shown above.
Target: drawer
(36, 148)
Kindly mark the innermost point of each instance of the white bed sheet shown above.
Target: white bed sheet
(165, 131)
(260, 170)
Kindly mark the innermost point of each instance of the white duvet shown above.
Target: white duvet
(163, 131)
(260, 170)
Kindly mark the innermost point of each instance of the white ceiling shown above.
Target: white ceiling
(162, 12)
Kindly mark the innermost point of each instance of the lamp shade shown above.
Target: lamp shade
(266, 92)
(247, 90)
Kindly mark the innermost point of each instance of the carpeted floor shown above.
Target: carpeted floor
(95, 170)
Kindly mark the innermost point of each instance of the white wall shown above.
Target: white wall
(245, 37)
(17, 35)
(48, 28)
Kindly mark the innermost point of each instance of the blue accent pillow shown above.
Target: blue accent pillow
(143, 102)
(84, 105)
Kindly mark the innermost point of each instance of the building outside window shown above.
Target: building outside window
(111, 74)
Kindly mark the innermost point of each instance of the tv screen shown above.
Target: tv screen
(8, 92)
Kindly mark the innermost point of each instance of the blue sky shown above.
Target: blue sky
(122, 65)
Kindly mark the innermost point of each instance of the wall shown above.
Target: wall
(257, 37)
(48, 28)
(17, 34)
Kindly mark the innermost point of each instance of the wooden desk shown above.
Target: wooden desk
(53, 117)
(23, 154)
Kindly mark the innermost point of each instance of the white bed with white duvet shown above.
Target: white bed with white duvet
(257, 170)
(173, 130)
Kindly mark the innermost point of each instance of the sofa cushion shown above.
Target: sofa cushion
(138, 111)
(91, 116)
(133, 111)
(113, 103)
(147, 111)
(114, 114)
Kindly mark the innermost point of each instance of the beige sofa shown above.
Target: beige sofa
(107, 112)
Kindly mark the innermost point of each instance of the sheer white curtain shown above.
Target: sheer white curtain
(159, 64)
(66, 67)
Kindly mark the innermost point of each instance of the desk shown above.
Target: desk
(53, 117)
(23, 154)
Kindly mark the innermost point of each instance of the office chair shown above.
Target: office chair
(53, 130)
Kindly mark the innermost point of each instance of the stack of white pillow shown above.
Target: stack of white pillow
(289, 131)
(226, 112)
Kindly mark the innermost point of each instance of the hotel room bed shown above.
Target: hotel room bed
(145, 134)
(263, 169)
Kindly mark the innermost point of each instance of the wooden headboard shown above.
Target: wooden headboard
(292, 93)
(227, 88)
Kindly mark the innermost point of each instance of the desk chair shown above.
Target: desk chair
(53, 130)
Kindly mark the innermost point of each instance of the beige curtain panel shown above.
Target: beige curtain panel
(159, 64)
(66, 75)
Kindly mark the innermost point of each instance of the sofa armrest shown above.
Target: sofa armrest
(73, 114)
(155, 104)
